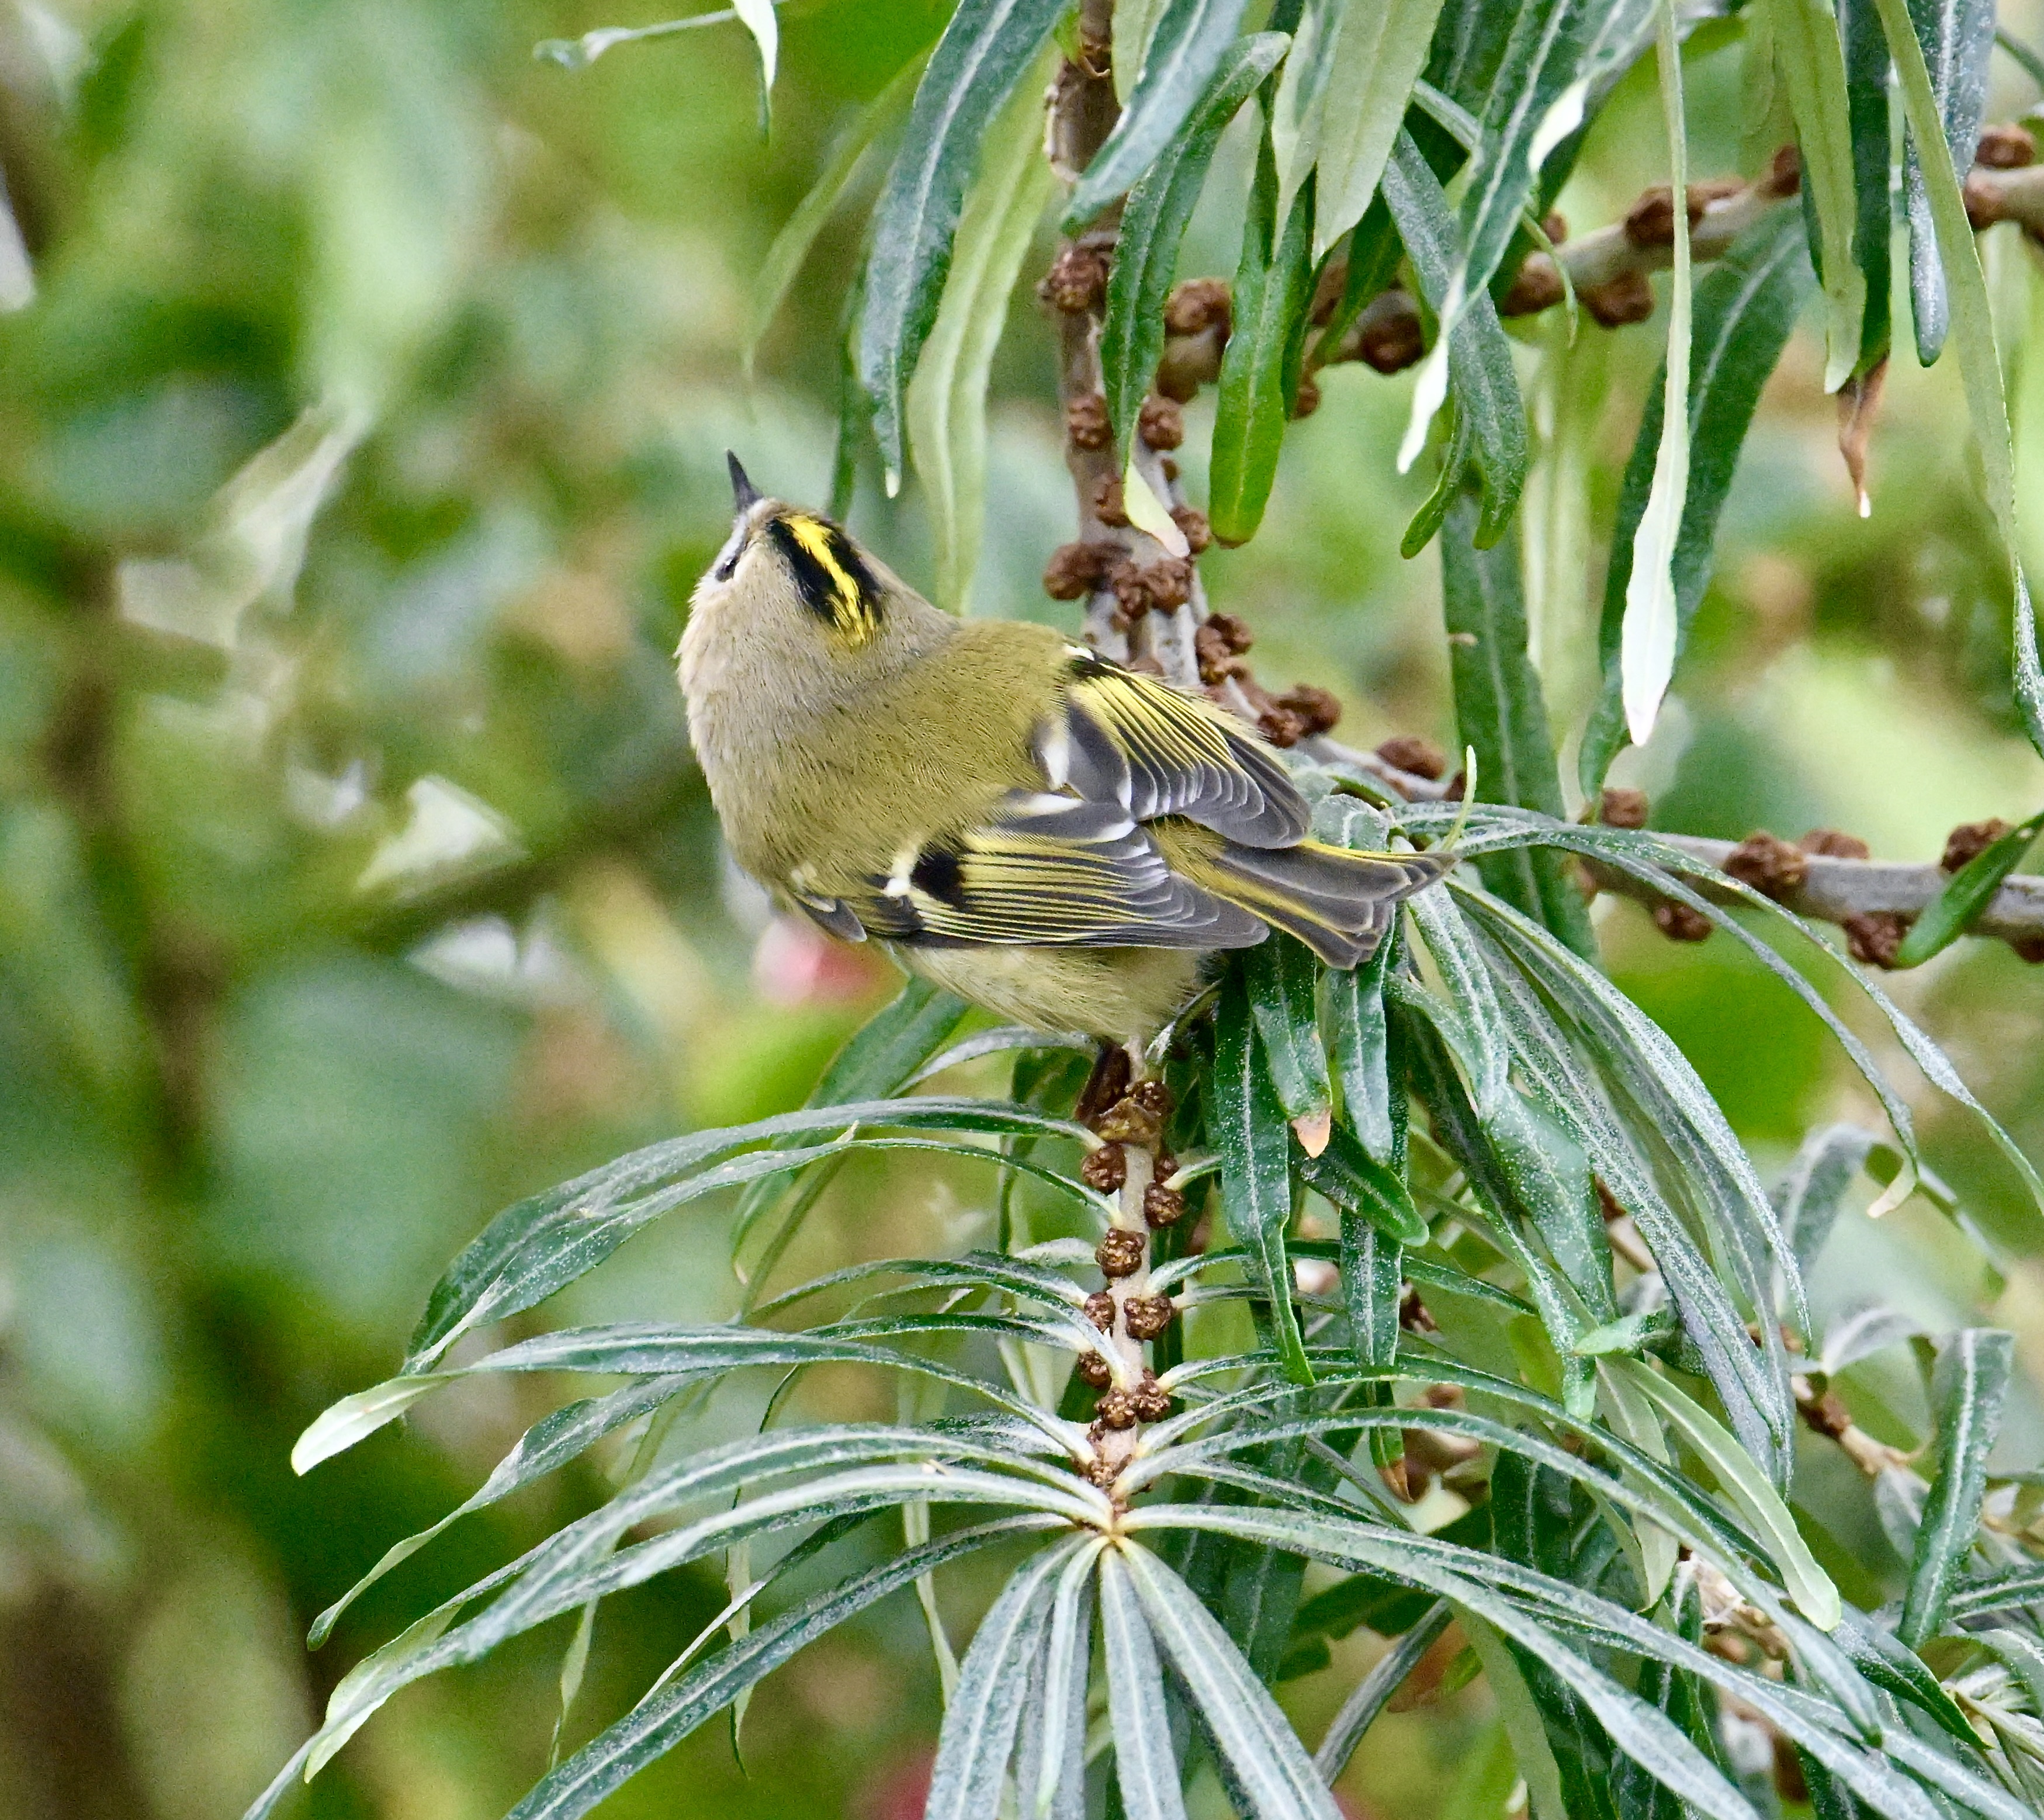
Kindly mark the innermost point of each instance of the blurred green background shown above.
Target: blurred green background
(363, 409)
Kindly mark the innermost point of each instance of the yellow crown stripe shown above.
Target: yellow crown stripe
(852, 611)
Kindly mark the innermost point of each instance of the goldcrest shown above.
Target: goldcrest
(1043, 832)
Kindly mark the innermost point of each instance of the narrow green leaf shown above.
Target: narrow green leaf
(670, 1712)
(1472, 1018)
(1348, 1175)
(1957, 38)
(1282, 978)
(1057, 1791)
(1373, 1693)
(1746, 1486)
(1259, 370)
(1530, 1751)
(946, 398)
(2004, 1591)
(1145, 1769)
(1372, 1292)
(983, 54)
(878, 1059)
(1532, 103)
(1744, 310)
(791, 246)
(1972, 1385)
(1868, 70)
(1810, 60)
(1246, 1124)
(1355, 1013)
(1810, 1195)
(757, 16)
(1135, 21)
(549, 1444)
(1968, 891)
(1500, 712)
(1341, 101)
(1632, 1416)
(1484, 383)
(1649, 628)
(985, 1710)
(1972, 321)
(1186, 46)
(1267, 1761)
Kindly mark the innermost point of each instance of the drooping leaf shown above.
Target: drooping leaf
(985, 1710)
(1649, 628)
(1966, 893)
(1972, 1385)
(791, 246)
(1500, 712)
(1247, 1125)
(1972, 321)
(1341, 101)
(1145, 1768)
(1480, 369)
(1745, 307)
(1747, 1485)
(1153, 222)
(1957, 38)
(982, 56)
(1533, 102)
(1810, 1194)
(946, 398)
(1186, 46)
(1811, 64)
(1373, 1693)
(1266, 1761)
(1283, 979)
(1355, 1014)
(1867, 73)
(670, 1712)
(1259, 370)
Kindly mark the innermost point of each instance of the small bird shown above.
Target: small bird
(1061, 840)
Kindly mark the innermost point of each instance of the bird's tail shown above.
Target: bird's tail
(1338, 902)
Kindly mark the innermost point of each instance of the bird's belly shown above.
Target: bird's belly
(1120, 995)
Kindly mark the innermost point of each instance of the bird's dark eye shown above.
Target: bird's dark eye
(727, 558)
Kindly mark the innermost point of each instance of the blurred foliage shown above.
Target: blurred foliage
(357, 452)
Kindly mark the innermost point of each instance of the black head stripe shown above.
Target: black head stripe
(829, 573)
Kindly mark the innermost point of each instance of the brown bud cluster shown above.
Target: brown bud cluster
(1110, 506)
(1086, 422)
(1198, 305)
(1388, 335)
(1827, 1413)
(1128, 1121)
(1623, 808)
(1153, 1401)
(1967, 841)
(2029, 948)
(1116, 1409)
(1317, 709)
(1146, 1316)
(1100, 1310)
(1160, 423)
(1163, 1206)
(1627, 298)
(1535, 286)
(1408, 752)
(2006, 147)
(1831, 843)
(1075, 570)
(1139, 587)
(1105, 1169)
(1875, 938)
(1094, 1370)
(1100, 1472)
(1680, 921)
(1772, 867)
(1307, 400)
(1119, 1252)
(1218, 644)
(1153, 1097)
(1412, 1313)
(1193, 527)
(1077, 280)
(1785, 173)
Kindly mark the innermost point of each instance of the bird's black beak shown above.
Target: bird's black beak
(743, 491)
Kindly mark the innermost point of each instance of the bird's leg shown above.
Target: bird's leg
(1127, 1314)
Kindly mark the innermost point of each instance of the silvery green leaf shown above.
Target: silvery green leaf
(1373, 1693)
(1972, 1385)
(1145, 1769)
(1861, 1334)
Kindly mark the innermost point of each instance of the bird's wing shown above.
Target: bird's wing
(1128, 740)
(1048, 870)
